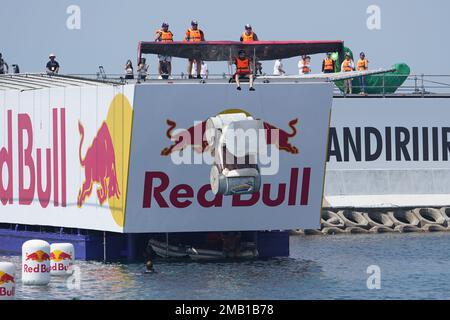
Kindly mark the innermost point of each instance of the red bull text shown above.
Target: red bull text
(30, 159)
(60, 261)
(38, 262)
(159, 192)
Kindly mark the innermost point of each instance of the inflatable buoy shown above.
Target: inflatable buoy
(403, 218)
(61, 258)
(381, 229)
(429, 216)
(378, 219)
(331, 219)
(407, 228)
(332, 231)
(434, 228)
(356, 230)
(36, 263)
(445, 211)
(353, 219)
(312, 232)
(7, 281)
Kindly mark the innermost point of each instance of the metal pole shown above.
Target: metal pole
(423, 85)
(167, 244)
(384, 85)
(254, 61)
(229, 64)
(104, 246)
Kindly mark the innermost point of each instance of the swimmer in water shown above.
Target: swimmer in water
(149, 267)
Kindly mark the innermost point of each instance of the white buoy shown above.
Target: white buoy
(7, 281)
(36, 263)
(62, 256)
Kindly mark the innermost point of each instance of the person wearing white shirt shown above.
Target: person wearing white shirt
(278, 68)
(204, 72)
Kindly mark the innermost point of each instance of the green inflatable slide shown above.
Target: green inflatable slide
(374, 83)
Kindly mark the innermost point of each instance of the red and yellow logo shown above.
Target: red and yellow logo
(6, 278)
(58, 256)
(195, 136)
(106, 160)
(38, 256)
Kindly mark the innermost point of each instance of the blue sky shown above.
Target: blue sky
(412, 31)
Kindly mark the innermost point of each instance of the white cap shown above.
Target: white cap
(51, 55)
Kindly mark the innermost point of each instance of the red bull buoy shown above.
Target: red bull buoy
(7, 281)
(36, 263)
(61, 258)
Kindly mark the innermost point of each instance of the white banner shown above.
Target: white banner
(53, 168)
(391, 152)
(66, 154)
(169, 174)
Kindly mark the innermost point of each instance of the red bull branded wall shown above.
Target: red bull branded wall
(391, 152)
(131, 158)
(64, 156)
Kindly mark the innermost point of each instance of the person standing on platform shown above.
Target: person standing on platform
(248, 35)
(194, 34)
(362, 65)
(328, 64)
(348, 66)
(165, 62)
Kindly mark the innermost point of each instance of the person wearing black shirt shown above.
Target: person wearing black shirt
(52, 65)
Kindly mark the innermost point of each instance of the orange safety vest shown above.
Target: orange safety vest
(247, 38)
(194, 35)
(328, 65)
(242, 66)
(306, 69)
(165, 36)
(347, 67)
(363, 65)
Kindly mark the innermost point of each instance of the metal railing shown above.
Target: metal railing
(418, 85)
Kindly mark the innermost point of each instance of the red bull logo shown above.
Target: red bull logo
(7, 285)
(6, 278)
(99, 165)
(58, 256)
(60, 261)
(104, 167)
(195, 136)
(158, 191)
(38, 256)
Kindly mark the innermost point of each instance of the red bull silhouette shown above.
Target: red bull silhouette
(6, 278)
(195, 137)
(60, 256)
(99, 167)
(38, 256)
(280, 138)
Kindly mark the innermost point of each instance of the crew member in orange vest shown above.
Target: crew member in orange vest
(248, 35)
(243, 69)
(328, 64)
(194, 34)
(362, 65)
(348, 66)
(304, 65)
(165, 62)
